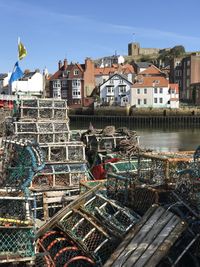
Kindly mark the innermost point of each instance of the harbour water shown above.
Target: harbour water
(165, 139)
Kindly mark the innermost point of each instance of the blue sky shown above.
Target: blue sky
(53, 30)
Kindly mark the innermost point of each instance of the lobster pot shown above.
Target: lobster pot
(118, 187)
(61, 176)
(102, 143)
(88, 235)
(14, 209)
(162, 168)
(49, 202)
(60, 153)
(96, 223)
(125, 168)
(43, 132)
(43, 109)
(17, 244)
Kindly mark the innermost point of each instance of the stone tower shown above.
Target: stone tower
(133, 49)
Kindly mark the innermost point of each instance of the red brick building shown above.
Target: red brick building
(74, 82)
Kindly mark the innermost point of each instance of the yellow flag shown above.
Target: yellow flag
(21, 50)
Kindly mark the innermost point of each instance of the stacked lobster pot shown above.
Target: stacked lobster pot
(21, 159)
(46, 121)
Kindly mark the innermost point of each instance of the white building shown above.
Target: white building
(4, 80)
(115, 90)
(103, 74)
(155, 92)
(31, 83)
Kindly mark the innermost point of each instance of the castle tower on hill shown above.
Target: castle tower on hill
(134, 49)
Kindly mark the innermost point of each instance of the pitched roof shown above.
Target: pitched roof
(152, 81)
(28, 75)
(58, 74)
(120, 75)
(143, 65)
(174, 86)
(3, 75)
(152, 70)
(104, 71)
(116, 68)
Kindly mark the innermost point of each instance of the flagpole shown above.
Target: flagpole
(18, 41)
(17, 72)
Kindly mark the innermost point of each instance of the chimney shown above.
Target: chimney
(65, 64)
(59, 64)
(88, 63)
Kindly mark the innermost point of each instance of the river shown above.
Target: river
(160, 139)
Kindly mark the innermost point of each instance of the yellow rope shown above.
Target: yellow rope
(15, 221)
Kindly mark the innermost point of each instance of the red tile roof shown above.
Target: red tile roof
(156, 81)
(152, 70)
(116, 68)
(174, 86)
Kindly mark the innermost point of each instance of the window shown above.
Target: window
(145, 90)
(178, 72)
(139, 101)
(122, 89)
(138, 91)
(110, 90)
(188, 63)
(76, 83)
(145, 101)
(155, 100)
(76, 93)
(161, 100)
(140, 81)
(76, 72)
(56, 84)
(156, 82)
(64, 94)
(111, 81)
(66, 73)
(161, 90)
(64, 83)
(56, 93)
(121, 81)
(155, 90)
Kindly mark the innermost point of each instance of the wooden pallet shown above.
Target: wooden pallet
(149, 241)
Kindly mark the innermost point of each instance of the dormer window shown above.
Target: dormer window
(75, 72)
(140, 81)
(156, 82)
(65, 73)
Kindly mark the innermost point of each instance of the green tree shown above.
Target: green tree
(177, 51)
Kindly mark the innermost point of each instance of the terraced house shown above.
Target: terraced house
(153, 89)
(115, 90)
(74, 82)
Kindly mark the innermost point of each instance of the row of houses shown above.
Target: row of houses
(151, 88)
(185, 71)
(139, 85)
